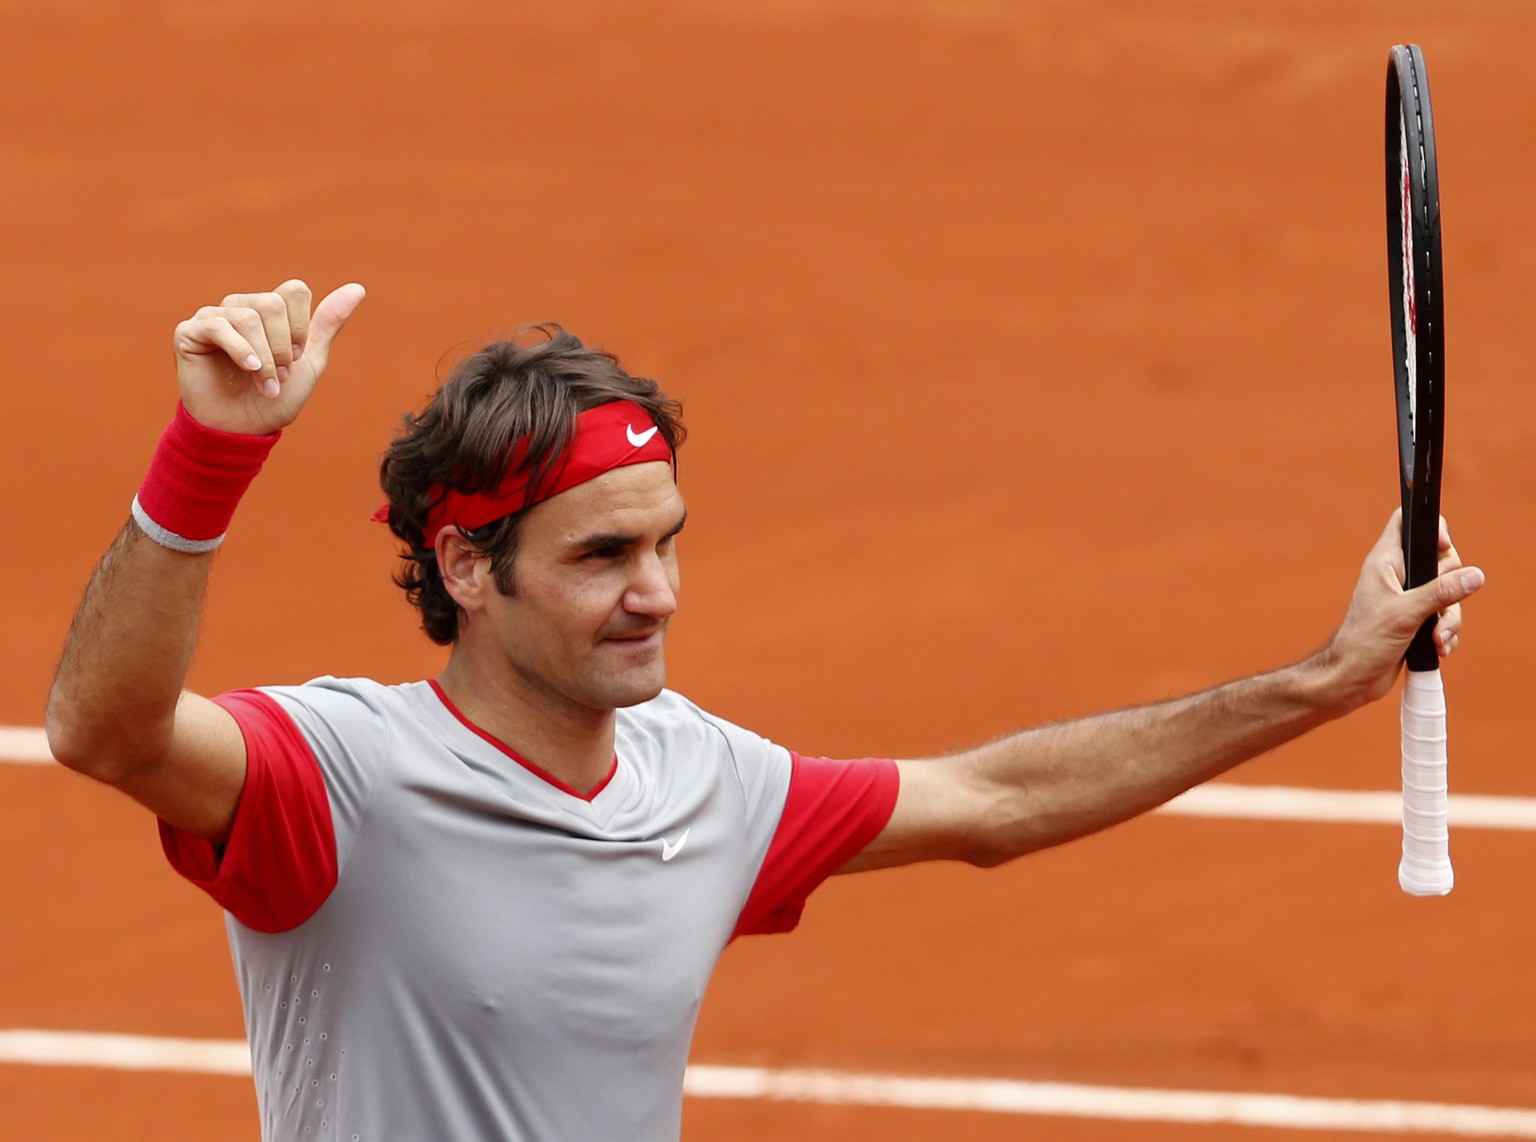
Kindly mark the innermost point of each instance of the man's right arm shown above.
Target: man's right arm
(118, 710)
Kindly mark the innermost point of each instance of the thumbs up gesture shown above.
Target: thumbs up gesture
(250, 363)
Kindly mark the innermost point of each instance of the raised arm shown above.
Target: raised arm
(1043, 786)
(117, 711)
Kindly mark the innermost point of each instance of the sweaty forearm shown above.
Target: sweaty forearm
(113, 703)
(112, 708)
(1065, 780)
(1043, 786)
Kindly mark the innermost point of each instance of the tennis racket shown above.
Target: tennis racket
(1418, 366)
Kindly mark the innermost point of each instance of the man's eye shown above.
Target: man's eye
(599, 553)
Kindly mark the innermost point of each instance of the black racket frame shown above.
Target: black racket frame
(1419, 452)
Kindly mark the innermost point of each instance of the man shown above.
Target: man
(486, 906)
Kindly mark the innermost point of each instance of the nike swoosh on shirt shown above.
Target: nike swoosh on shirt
(670, 850)
(639, 439)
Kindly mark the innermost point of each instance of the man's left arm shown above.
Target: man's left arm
(1043, 786)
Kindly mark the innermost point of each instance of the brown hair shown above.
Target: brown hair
(504, 392)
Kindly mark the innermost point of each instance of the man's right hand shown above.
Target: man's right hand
(1365, 655)
(250, 363)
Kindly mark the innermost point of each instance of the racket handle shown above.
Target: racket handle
(1426, 865)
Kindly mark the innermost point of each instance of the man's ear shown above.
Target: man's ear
(465, 569)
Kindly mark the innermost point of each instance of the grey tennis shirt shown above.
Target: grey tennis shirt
(435, 940)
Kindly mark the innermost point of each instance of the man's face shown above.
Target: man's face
(596, 583)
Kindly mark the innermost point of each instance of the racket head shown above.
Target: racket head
(1416, 285)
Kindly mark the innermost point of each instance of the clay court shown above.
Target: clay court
(1035, 355)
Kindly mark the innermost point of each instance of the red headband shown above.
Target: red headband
(609, 436)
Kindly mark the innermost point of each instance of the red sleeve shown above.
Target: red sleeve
(833, 809)
(280, 862)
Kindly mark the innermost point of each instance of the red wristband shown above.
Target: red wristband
(195, 482)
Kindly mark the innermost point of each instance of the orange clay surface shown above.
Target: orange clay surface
(1035, 356)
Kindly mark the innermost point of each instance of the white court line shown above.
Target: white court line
(1280, 803)
(993, 1096)
(125, 1052)
(25, 745)
(1075, 1100)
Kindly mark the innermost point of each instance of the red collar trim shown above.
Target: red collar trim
(543, 775)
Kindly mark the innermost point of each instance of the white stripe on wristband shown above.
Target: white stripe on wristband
(169, 539)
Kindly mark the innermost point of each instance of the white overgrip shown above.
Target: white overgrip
(1426, 866)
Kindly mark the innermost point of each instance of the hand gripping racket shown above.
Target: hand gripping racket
(1418, 365)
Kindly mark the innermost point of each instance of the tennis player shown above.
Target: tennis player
(486, 905)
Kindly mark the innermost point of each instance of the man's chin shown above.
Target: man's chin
(637, 687)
